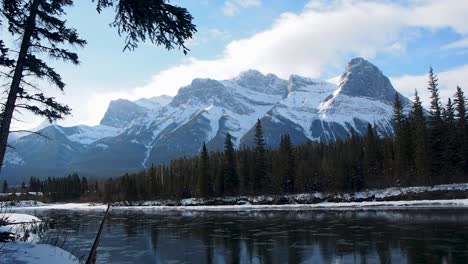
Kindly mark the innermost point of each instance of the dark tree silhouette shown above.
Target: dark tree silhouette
(42, 29)
(230, 170)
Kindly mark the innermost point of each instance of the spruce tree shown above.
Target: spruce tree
(42, 31)
(372, 155)
(287, 160)
(461, 129)
(398, 116)
(84, 185)
(246, 170)
(436, 132)
(260, 162)
(398, 124)
(420, 141)
(450, 151)
(230, 172)
(204, 184)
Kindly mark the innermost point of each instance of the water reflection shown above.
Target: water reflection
(372, 236)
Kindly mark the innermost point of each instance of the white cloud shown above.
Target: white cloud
(249, 3)
(460, 44)
(232, 7)
(396, 48)
(309, 42)
(324, 35)
(448, 81)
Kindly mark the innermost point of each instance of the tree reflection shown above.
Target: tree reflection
(413, 236)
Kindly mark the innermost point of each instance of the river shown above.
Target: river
(417, 235)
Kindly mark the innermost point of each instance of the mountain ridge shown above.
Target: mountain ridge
(132, 135)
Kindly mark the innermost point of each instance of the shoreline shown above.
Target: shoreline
(384, 205)
(452, 195)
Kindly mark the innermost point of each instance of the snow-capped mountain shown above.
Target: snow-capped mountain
(135, 134)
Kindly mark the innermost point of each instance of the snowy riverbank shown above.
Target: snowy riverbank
(26, 248)
(453, 195)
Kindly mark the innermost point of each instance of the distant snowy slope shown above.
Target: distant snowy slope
(133, 135)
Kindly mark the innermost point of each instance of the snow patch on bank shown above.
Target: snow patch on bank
(29, 251)
(367, 198)
(64, 206)
(461, 203)
(22, 252)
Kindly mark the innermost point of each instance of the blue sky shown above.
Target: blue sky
(310, 38)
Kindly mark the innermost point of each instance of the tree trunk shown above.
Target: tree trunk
(16, 81)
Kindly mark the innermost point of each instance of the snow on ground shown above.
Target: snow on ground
(461, 203)
(29, 251)
(397, 191)
(20, 194)
(62, 206)
(22, 203)
(367, 198)
(20, 224)
(23, 252)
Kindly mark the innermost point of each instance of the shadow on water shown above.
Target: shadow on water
(318, 236)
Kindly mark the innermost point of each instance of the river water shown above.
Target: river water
(316, 236)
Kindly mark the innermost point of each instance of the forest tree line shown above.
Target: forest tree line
(427, 148)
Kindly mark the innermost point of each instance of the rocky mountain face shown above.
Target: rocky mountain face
(133, 135)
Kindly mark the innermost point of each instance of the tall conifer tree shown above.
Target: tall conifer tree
(450, 132)
(204, 184)
(288, 160)
(42, 31)
(462, 128)
(230, 171)
(436, 130)
(420, 141)
(260, 162)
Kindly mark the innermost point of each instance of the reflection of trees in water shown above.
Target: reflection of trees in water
(424, 236)
(355, 237)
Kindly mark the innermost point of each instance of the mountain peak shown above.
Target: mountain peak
(363, 79)
(154, 102)
(121, 112)
(251, 73)
(259, 82)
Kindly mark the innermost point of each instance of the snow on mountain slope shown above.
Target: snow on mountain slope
(89, 134)
(122, 112)
(301, 105)
(230, 105)
(154, 102)
(135, 134)
(325, 111)
(12, 158)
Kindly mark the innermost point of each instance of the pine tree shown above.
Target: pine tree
(372, 155)
(246, 170)
(450, 151)
(462, 129)
(230, 172)
(436, 132)
(260, 162)
(420, 141)
(398, 116)
(5, 186)
(84, 185)
(398, 123)
(435, 112)
(204, 184)
(41, 27)
(287, 159)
